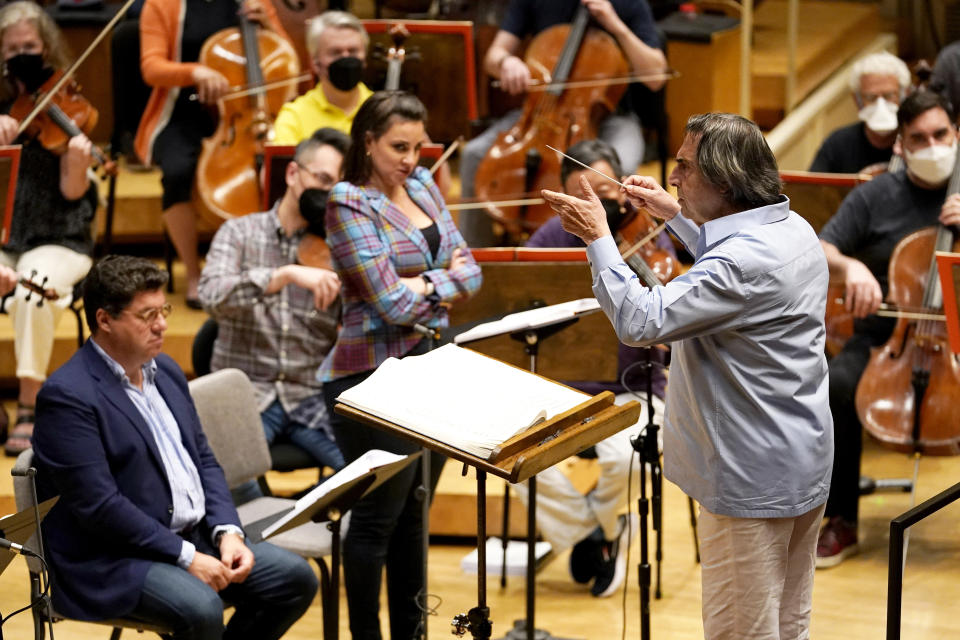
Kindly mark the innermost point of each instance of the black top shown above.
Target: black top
(530, 17)
(877, 215)
(202, 19)
(41, 215)
(946, 74)
(847, 150)
(432, 235)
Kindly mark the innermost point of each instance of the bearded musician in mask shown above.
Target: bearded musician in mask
(878, 83)
(278, 319)
(54, 206)
(858, 241)
(337, 44)
(590, 523)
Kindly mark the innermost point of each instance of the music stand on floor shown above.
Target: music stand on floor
(518, 459)
(17, 529)
(530, 328)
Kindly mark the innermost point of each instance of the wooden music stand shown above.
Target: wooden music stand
(949, 266)
(516, 460)
(9, 170)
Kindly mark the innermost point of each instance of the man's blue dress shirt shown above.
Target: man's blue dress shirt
(748, 430)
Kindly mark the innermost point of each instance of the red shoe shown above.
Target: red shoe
(837, 540)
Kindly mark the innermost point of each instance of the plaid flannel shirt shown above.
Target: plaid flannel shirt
(278, 340)
(373, 244)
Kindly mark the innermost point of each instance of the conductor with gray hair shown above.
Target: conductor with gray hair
(747, 428)
(878, 84)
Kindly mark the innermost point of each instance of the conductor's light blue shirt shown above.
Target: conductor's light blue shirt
(747, 429)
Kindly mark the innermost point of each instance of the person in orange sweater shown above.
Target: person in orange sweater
(172, 32)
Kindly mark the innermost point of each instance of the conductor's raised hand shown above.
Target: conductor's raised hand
(646, 193)
(583, 217)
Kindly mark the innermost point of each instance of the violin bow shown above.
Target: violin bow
(445, 155)
(539, 85)
(246, 90)
(45, 100)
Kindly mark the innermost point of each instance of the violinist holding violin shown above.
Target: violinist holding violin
(173, 126)
(631, 24)
(54, 205)
(278, 314)
(859, 241)
(591, 523)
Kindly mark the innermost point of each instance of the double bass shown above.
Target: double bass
(907, 392)
(519, 161)
(228, 170)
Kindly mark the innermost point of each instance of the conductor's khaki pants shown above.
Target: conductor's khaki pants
(758, 575)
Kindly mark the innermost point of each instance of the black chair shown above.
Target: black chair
(284, 455)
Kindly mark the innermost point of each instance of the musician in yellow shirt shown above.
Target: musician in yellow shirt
(337, 44)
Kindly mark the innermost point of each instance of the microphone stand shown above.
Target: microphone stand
(647, 446)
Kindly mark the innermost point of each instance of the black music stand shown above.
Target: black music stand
(328, 507)
(18, 528)
(530, 328)
(516, 460)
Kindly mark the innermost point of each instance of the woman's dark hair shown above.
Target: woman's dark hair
(916, 104)
(113, 283)
(734, 157)
(588, 152)
(374, 117)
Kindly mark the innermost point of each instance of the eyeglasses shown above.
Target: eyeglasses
(325, 180)
(150, 315)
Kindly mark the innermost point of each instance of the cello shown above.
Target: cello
(228, 171)
(519, 162)
(906, 395)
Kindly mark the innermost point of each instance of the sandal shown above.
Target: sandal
(4, 423)
(19, 440)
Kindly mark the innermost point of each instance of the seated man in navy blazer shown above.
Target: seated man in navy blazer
(145, 527)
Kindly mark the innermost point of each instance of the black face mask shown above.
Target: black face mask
(616, 213)
(313, 208)
(28, 68)
(345, 73)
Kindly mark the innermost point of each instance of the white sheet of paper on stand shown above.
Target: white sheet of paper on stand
(530, 319)
(516, 557)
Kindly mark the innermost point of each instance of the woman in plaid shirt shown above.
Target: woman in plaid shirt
(402, 261)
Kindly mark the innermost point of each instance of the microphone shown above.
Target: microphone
(22, 473)
(427, 332)
(15, 548)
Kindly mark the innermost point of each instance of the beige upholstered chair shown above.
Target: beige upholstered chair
(227, 405)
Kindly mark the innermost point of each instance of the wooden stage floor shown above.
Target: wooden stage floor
(849, 600)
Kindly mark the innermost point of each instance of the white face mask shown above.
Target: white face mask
(932, 164)
(880, 116)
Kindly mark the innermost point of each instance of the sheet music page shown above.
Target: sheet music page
(530, 319)
(370, 460)
(460, 397)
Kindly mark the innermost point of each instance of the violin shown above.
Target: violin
(653, 265)
(33, 287)
(65, 115)
(519, 161)
(906, 395)
(314, 252)
(228, 169)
